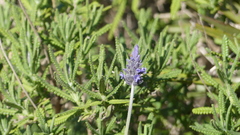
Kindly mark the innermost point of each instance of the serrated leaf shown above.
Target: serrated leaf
(9, 36)
(53, 89)
(62, 117)
(202, 110)
(170, 74)
(55, 63)
(95, 103)
(102, 86)
(110, 125)
(103, 30)
(118, 101)
(40, 117)
(94, 76)
(225, 48)
(130, 33)
(203, 129)
(77, 62)
(117, 17)
(23, 121)
(90, 93)
(63, 84)
(152, 31)
(17, 61)
(56, 41)
(101, 61)
(91, 128)
(175, 6)
(115, 89)
(209, 79)
(97, 15)
(110, 70)
(233, 98)
(234, 65)
(119, 50)
(89, 44)
(166, 55)
(215, 117)
(5, 111)
(221, 103)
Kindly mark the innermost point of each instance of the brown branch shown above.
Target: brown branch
(16, 76)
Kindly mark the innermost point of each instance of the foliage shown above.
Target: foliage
(60, 74)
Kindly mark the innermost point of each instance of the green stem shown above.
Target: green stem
(129, 110)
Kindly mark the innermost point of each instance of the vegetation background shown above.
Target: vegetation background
(60, 62)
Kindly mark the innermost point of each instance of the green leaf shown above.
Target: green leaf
(231, 15)
(101, 62)
(62, 117)
(91, 128)
(210, 80)
(225, 48)
(26, 5)
(115, 89)
(102, 86)
(118, 101)
(119, 50)
(152, 31)
(166, 53)
(219, 25)
(94, 75)
(110, 70)
(55, 63)
(130, 33)
(233, 98)
(221, 102)
(95, 103)
(5, 111)
(56, 41)
(134, 7)
(110, 125)
(9, 36)
(235, 63)
(168, 74)
(53, 89)
(202, 110)
(102, 30)
(40, 118)
(205, 129)
(225, 54)
(65, 86)
(24, 121)
(175, 6)
(117, 17)
(90, 93)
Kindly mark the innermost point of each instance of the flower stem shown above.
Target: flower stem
(129, 110)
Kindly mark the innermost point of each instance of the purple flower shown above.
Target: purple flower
(132, 74)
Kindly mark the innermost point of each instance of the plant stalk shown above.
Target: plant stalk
(129, 110)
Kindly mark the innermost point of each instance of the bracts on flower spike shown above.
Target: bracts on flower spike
(132, 73)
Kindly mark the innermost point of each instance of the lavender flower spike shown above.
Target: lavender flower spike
(132, 74)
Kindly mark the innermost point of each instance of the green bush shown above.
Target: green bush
(60, 62)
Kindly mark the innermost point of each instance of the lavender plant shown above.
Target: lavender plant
(63, 55)
(132, 76)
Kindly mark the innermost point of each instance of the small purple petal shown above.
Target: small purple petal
(122, 75)
(141, 70)
(135, 52)
(137, 78)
